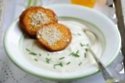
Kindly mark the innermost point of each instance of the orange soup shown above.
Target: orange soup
(88, 3)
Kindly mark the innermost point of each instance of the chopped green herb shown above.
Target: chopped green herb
(59, 64)
(68, 63)
(32, 53)
(80, 63)
(48, 60)
(36, 59)
(85, 55)
(75, 54)
(77, 51)
(40, 54)
(27, 50)
(81, 45)
(86, 49)
(61, 58)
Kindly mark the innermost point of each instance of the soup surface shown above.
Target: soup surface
(75, 56)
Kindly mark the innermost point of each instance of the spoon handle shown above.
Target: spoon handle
(107, 74)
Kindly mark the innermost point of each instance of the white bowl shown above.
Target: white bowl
(105, 25)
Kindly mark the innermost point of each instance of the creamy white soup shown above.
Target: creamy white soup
(74, 57)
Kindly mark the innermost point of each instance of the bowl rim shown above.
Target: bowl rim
(55, 78)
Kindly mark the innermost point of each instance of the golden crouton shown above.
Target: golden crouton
(54, 37)
(34, 18)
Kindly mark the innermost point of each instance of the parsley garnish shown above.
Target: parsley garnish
(82, 45)
(30, 52)
(48, 60)
(86, 49)
(68, 63)
(80, 63)
(27, 50)
(40, 54)
(85, 55)
(36, 59)
(59, 64)
(75, 54)
(61, 58)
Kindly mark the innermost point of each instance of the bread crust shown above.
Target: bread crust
(26, 19)
(60, 44)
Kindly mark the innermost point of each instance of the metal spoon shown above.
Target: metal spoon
(107, 74)
(109, 78)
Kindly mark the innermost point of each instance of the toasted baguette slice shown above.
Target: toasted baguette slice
(35, 17)
(54, 37)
